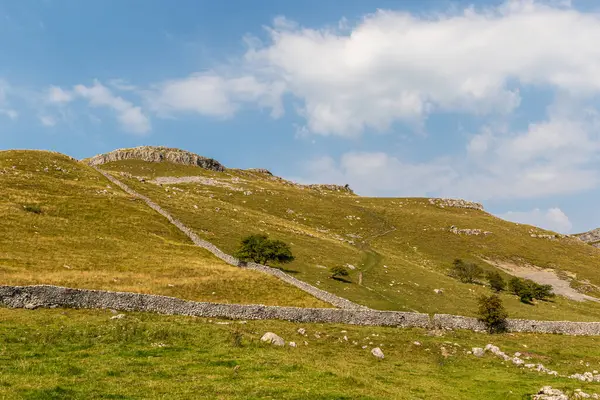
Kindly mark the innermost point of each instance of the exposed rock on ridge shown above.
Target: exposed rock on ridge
(459, 203)
(591, 237)
(157, 154)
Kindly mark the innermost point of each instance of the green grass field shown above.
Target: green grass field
(79, 354)
(62, 223)
(402, 246)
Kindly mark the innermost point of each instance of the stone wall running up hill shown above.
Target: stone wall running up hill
(157, 154)
(229, 259)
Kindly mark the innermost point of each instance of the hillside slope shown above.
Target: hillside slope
(63, 223)
(402, 247)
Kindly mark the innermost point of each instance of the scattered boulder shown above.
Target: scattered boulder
(548, 393)
(478, 351)
(118, 316)
(469, 232)
(302, 331)
(292, 344)
(377, 353)
(31, 306)
(272, 338)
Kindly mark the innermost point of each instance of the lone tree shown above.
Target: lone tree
(492, 313)
(466, 272)
(262, 250)
(338, 271)
(496, 282)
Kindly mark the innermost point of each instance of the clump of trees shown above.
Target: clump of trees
(260, 249)
(492, 313)
(466, 272)
(338, 271)
(528, 290)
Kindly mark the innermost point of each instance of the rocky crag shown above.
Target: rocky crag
(157, 154)
(591, 237)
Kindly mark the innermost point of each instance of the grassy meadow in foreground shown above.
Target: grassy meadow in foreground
(62, 223)
(403, 247)
(83, 354)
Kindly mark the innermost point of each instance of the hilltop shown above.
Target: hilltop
(592, 237)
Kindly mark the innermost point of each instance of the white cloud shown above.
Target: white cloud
(376, 173)
(396, 66)
(58, 95)
(47, 120)
(553, 219)
(10, 113)
(5, 108)
(557, 156)
(131, 117)
(214, 95)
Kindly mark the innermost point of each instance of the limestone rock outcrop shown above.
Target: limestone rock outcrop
(157, 154)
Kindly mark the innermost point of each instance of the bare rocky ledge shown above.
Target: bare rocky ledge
(157, 154)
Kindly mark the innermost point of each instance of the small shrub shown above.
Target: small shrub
(466, 272)
(496, 282)
(32, 208)
(492, 313)
(338, 271)
(236, 338)
(262, 250)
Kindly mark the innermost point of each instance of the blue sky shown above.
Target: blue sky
(493, 101)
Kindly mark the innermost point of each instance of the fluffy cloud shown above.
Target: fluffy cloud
(5, 109)
(553, 219)
(47, 120)
(557, 156)
(58, 95)
(395, 66)
(131, 117)
(376, 173)
(213, 95)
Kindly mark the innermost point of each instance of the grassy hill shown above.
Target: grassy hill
(62, 223)
(403, 247)
(83, 354)
(89, 234)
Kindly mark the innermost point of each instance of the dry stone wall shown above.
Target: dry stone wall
(316, 292)
(47, 296)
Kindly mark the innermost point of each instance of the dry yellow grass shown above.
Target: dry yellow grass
(88, 234)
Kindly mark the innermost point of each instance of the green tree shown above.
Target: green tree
(542, 292)
(262, 250)
(520, 287)
(496, 282)
(492, 313)
(466, 272)
(338, 271)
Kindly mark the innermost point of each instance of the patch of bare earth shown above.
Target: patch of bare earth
(542, 276)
